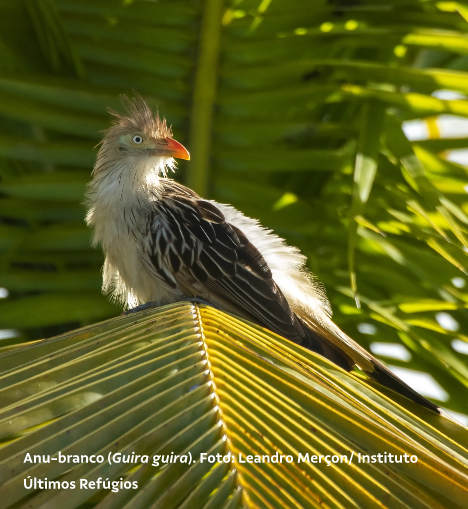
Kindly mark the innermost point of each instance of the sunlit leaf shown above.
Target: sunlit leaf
(189, 379)
(273, 99)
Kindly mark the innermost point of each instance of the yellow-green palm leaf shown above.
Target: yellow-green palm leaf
(186, 378)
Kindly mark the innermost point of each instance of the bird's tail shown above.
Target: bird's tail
(345, 352)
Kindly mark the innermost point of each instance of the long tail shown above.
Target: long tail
(345, 352)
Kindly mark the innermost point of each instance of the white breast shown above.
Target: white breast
(118, 205)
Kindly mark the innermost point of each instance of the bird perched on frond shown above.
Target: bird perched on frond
(164, 243)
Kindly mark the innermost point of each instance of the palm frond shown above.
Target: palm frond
(191, 381)
(295, 114)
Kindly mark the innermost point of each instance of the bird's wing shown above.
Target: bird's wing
(192, 247)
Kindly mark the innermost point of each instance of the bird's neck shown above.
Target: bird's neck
(120, 182)
(121, 190)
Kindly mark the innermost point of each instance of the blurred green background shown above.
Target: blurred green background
(294, 111)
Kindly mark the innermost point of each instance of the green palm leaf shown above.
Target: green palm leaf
(188, 380)
(280, 104)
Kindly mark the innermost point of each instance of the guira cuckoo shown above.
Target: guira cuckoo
(163, 242)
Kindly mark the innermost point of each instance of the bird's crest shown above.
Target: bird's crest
(138, 117)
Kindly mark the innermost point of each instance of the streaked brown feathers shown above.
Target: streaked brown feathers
(198, 246)
(163, 242)
(138, 118)
(209, 257)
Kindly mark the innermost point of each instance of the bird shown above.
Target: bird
(164, 243)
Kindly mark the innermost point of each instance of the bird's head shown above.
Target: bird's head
(139, 141)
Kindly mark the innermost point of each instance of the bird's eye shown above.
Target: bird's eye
(137, 139)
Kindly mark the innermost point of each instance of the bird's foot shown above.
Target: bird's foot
(195, 300)
(155, 304)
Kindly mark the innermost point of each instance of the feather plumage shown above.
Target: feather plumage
(163, 242)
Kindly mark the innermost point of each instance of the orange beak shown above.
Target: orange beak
(177, 149)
